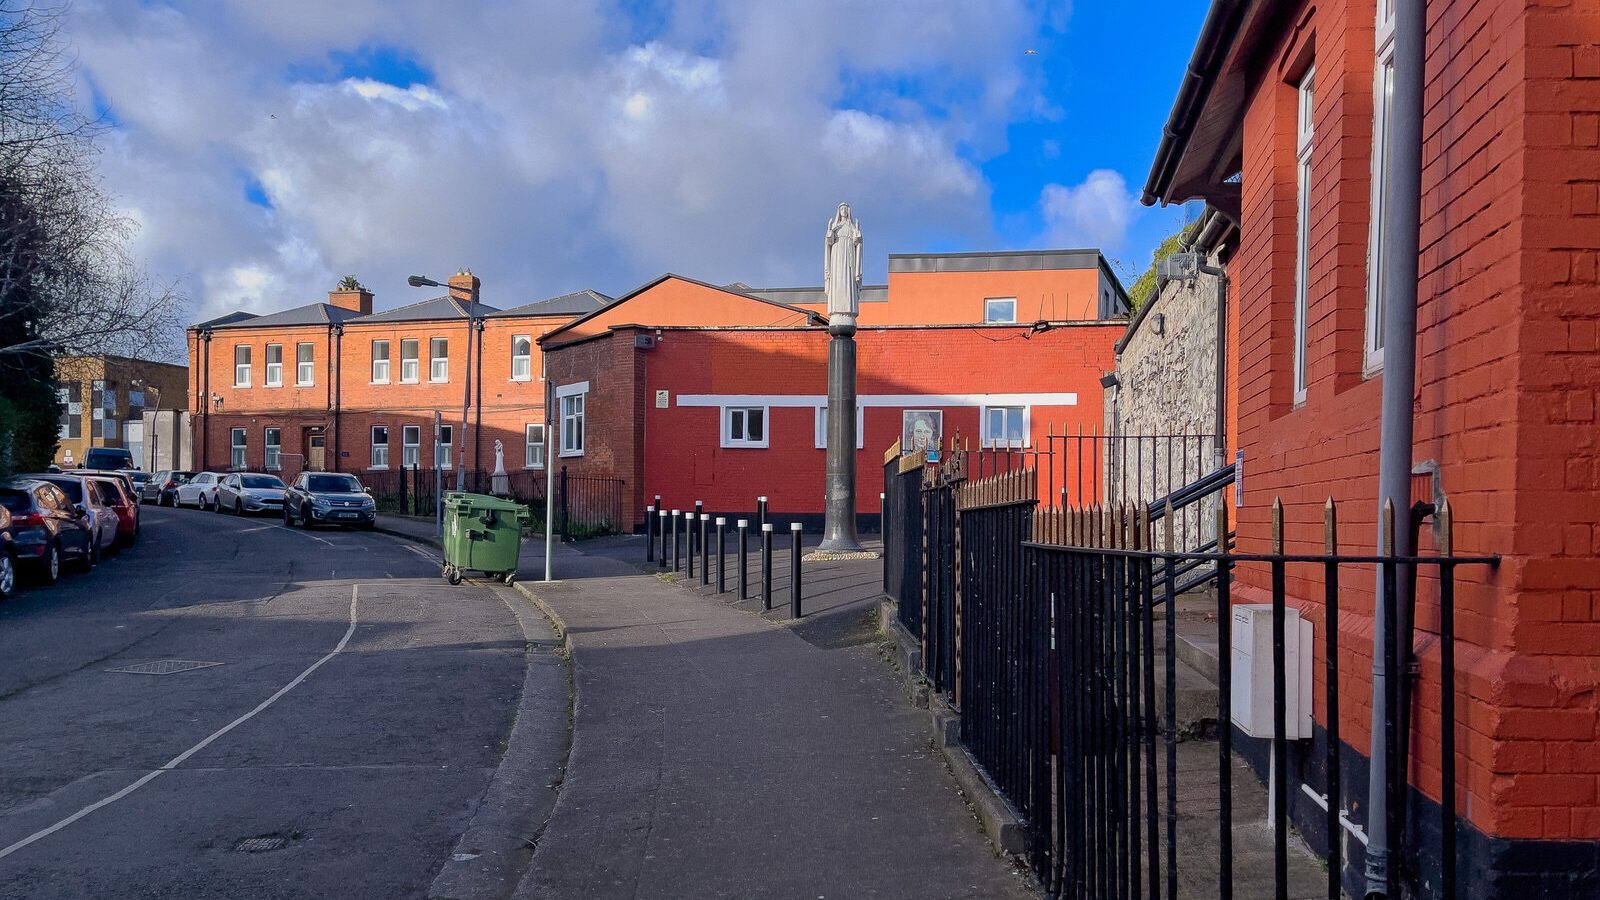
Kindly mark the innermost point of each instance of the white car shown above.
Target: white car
(200, 491)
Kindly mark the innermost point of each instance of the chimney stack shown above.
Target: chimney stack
(352, 296)
(464, 286)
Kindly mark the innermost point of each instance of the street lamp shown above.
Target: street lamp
(466, 399)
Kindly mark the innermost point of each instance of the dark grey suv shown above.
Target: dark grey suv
(328, 498)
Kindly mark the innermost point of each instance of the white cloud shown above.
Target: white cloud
(548, 151)
(1095, 213)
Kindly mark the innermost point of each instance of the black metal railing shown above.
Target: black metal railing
(587, 505)
(902, 535)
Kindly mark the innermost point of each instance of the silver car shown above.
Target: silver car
(103, 521)
(198, 491)
(249, 492)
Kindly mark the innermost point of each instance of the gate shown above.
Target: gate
(939, 562)
(902, 534)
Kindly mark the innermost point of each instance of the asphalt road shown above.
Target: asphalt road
(359, 710)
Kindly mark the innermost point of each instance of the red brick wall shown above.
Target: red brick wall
(613, 427)
(1507, 369)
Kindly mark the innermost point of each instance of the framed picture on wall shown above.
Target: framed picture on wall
(921, 429)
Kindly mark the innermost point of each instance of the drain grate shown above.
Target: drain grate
(164, 667)
(260, 844)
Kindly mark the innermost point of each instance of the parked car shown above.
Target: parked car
(250, 492)
(140, 478)
(123, 475)
(162, 488)
(198, 491)
(47, 529)
(328, 498)
(108, 458)
(95, 496)
(8, 555)
(123, 501)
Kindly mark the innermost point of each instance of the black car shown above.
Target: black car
(8, 555)
(108, 458)
(162, 488)
(328, 498)
(47, 529)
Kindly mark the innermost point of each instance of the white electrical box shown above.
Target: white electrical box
(1252, 671)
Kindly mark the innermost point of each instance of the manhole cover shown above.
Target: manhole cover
(260, 844)
(164, 666)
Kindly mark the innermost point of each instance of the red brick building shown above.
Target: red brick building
(696, 392)
(336, 386)
(1277, 128)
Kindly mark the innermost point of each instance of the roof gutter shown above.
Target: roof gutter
(1216, 39)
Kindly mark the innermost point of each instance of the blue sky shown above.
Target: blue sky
(266, 149)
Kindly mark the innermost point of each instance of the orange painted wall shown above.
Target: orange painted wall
(678, 301)
(940, 298)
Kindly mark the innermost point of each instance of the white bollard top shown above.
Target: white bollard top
(744, 523)
(721, 520)
(677, 512)
(762, 499)
(880, 495)
(690, 515)
(766, 526)
(794, 526)
(663, 513)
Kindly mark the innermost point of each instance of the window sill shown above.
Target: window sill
(377, 382)
(537, 468)
(569, 454)
(746, 446)
(377, 468)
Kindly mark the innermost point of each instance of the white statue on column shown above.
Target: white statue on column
(500, 482)
(841, 267)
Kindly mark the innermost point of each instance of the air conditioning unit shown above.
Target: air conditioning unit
(1252, 671)
(644, 342)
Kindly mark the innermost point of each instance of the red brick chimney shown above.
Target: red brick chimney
(464, 286)
(352, 296)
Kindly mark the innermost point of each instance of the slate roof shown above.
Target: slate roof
(576, 303)
(232, 318)
(446, 307)
(870, 293)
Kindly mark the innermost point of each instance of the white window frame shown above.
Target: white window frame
(820, 437)
(272, 441)
(1305, 109)
(410, 446)
(574, 419)
(380, 452)
(241, 370)
(741, 415)
(1382, 106)
(533, 450)
(238, 444)
(274, 376)
(990, 440)
(521, 363)
(438, 366)
(305, 370)
(447, 446)
(380, 376)
(989, 317)
(415, 361)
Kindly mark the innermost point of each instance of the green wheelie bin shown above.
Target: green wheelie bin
(482, 533)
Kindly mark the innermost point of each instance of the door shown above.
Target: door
(316, 450)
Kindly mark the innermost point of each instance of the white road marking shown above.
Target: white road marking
(423, 553)
(178, 760)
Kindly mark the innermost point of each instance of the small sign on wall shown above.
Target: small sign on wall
(661, 399)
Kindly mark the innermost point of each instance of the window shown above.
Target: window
(237, 459)
(380, 362)
(447, 440)
(744, 426)
(521, 357)
(108, 428)
(241, 366)
(821, 436)
(273, 441)
(533, 456)
(380, 446)
(410, 446)
(1302, 225)
(572, 423)
(1382, 114)
(408, 361)
(305, 364)
(1005, 426)
(274, 365)
(438, 359)
(1000, 309)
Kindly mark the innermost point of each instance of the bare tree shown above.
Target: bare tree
(67, 282)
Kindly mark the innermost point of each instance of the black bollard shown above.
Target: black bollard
(794, 571)
(766, 566)
(744, 559)
(705, 549)
(722, 556)
(761, 512)
(677, 557)
(649, 534)
(661, 529)
(689, 527)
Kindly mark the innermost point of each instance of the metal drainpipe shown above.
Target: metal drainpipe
(336, 385)
(205, 404)
(1402, 208)
(477, 403)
